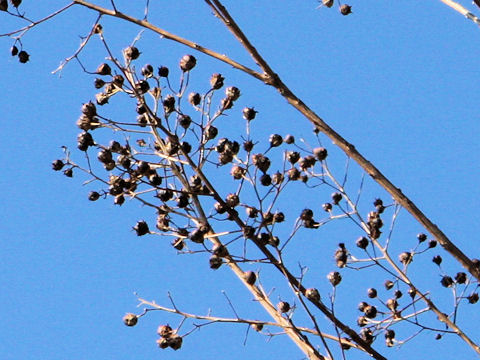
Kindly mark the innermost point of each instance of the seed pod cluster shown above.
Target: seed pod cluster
(168, 338)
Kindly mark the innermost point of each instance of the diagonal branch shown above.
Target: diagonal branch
(271, 78)
(459, 8)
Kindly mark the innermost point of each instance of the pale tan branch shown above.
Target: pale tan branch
(459, 8)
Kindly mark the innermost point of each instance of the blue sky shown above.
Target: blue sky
(398, 80)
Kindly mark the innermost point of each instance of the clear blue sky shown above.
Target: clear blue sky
(397, 79)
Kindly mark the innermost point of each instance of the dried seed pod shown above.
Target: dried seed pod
(370, 311)
(130, 319)
(14, 51)
(23, 56)
(293, 174)
(388, 284)
(421, 237)
(306, 162)
(3, 5)
(197, 236)
(98, 29)
(119, 200)
(412, 292)
(57, 165)
(362, 321)
(279, 217)
(248, 145)
(84, 140)
(341, 256)
(266, 180)
(334, 277)
(187, 62)
(210, 132)
(98, 83)
(249, 113)
(118, 80)
(89, 109)
(437, 260)
(392, 304)
(446, 281)
(283, 306)
(327, 207)
(405, 258)
(275, 140)
(320, 153)
(432, 244)
(164, 331)
(104, 69)
(101, 99)
(68, 172)
(336, 198)
(169, 104)
(142, 86)
(178, 244)
(345, 9)
(104, 156)
(216, 81)
(372, 293)
(194, 98)
(307, 214)
(232, 200)
(362, 242)
(93, 196)
(163, 71)
(261, 162)
(289, 139)
(293, 156)
(312, 294)
(184, 121)
(215, 262)
(250, 277)
(238, 172)
(473, 298)
(277, 178)
(147, 70)
(248, 232)
(141, 228)
(251, 212)
(220, 250)
(175, 342)
(328, 3)
(232, 93)
(367, 335)
(461, 278)
(162, 343)
(131, 53)
(361, 306)
(257, 327)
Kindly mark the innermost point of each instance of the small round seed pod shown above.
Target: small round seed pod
(130, 319)
(175, 342)
(398, 294)
(328, 3)
(312, 294)
(266, 180)
(334, 277)
(184, 121)
(327, 207)
(164, 331)
(293, 174)
(275, 140)
(210, 132)
(320, 153)
(98, 29)
(89, 109)
(57, 165)
(119, 200)
(147, 70)
(370, 311)
(68, 172)
(232, 93)
(392, 304)
(162, 343)
(118, 80)
(461, 278)
(141, 228)
(283, 307)
(220, 250)
(249, 113)
(3, 5)
(336, 198)
(345, 9)
(142, 87)
(251, 212)
(473, 298)
(446, 281)
(421, 237)
(293, 156)
(362, 242)
(437, 260)
(412, 292)
(169, 104)
(367, 336)
(187, 62)
(93, 196)
(104, 69)
(163, 71)
(216, 81)
(237, 172)
(279, 217)
(221, 209)
(362, 321)
(432, 244)
(307, 214)
(289, 139)
(372, 293)
(215, 262)
(98, 83)
(178, 244)
(84, 140)
(261, 162)
(341, 256)
(361, 306)
(14, 51)
(257, 327)
(232, 200)
(388, 284)
(131, 53)
(248, 145)
(277, 178)
(23, 56)
(405, 258)
(249, 232)
(194, 98)
(250, 277)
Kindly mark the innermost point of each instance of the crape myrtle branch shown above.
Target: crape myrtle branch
(271, 78)
(256, 324)
(462, 10)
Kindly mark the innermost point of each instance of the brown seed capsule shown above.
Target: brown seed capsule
(336, 198)
(249, 113)
(89, 109)
(23, 56)
(104, 69)
(251, 212)
(215, 262)
(216, 81)
(93, 196)
(345, 9)
(289, 139)
(232, 200)
(334, 277)
(283, 306)
(328, 3)
(293, 156)
(257, 327)
(362, 321)
(141, 228)
(164, 331)
(361, 306)
(131, 53)
(57, 165)
(14, 51)
(320, 153)
(388, 284)
(473, 298)
(341, 256)
(446, 281)
(163, 71)
(367, 336)
(275, 140)
(162, 343)
(372, 293)
(405, 258)
(187, 62)
(261, 162)
(68, 172)
(277, 178)
(370, 311)
(327, 207)
(421, 237)
(392, 304)
(362, 242)
(279, 217)
(312, 294)
(232, 92)
(250, 277)
(175, 342)
(3, 5)
(130, 319)
(437, 260)
(461, 278)
(293, 174)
